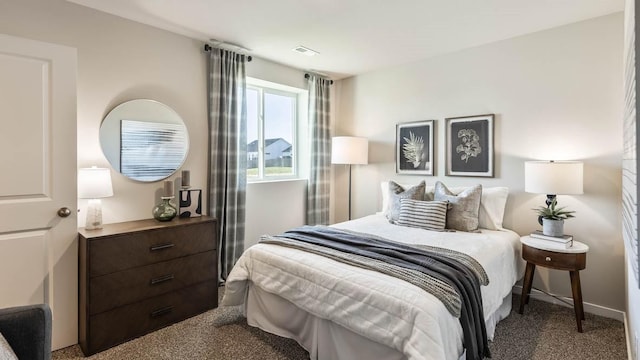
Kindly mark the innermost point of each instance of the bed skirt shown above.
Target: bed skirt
(324, 339)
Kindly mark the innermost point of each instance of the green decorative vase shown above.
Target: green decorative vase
(165, 211)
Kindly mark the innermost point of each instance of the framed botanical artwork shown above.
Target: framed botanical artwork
(414, 148)
(469, 149)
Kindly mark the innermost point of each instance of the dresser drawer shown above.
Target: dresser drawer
(124, 323)
(554, 260)
(124, 287)
(126, 251)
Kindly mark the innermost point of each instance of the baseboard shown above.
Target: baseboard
(588, 307)
(627, 337)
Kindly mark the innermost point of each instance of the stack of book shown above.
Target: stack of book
(562, 242)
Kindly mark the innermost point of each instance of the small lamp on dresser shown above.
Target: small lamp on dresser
(94, 183)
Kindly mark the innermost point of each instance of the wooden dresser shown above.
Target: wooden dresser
(136, 277)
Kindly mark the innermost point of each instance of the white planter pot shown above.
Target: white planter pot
(553, 227)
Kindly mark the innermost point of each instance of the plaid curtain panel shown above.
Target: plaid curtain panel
(227, 153)
(320, 138)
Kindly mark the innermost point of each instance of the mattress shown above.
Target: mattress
(376, 307)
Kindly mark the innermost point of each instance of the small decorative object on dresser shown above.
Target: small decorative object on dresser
(190, 203)
(544, 253)
(136, 277)
(185, 180)
(190, 200)
(94, 183)
(165, 210)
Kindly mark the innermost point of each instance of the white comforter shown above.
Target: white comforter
(380, 307)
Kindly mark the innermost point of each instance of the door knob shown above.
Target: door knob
(64, 212)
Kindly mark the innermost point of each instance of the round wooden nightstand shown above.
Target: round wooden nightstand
(543, 253)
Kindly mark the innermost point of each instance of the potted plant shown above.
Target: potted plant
(553, 218)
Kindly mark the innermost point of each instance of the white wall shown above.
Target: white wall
(273, 208)
(556, 94)
(120, 60)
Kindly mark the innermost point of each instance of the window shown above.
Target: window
(273, 114)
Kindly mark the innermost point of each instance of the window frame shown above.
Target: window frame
(299, 97)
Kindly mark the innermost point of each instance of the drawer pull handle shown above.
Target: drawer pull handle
(548, 258)
(161, 279)
(162, 311)
(162, 247)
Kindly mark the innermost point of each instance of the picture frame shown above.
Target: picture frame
(469, 149)
(415, 148)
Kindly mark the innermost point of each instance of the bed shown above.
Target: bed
(338, 311)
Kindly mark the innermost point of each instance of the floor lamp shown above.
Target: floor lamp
(349, 150)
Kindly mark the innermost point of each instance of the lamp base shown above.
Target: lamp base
(94, 215)
(550, 198)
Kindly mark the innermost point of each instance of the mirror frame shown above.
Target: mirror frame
(142, 110)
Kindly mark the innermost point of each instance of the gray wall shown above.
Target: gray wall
(557, 94)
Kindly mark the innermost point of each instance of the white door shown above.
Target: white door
(38, 248)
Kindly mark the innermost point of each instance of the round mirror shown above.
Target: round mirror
(144, 140)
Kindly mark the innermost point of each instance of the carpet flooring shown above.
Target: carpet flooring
(544, 332)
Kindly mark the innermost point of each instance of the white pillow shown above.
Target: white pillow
(492, 203)
(6, 353)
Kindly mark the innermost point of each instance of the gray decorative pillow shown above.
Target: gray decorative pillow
(463, 208)
(429, 215)
(6, 353)
(397, 192)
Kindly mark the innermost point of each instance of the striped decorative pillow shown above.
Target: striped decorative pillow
(430, 215)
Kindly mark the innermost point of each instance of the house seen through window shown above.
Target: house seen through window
(272, 132)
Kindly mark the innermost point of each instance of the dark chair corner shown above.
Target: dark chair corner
(27, 329)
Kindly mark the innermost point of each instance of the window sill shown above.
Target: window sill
(266, 181)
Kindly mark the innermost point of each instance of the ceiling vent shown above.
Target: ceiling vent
(305, 51)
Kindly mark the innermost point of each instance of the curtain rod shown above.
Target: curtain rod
(208, 47)
(306, 76)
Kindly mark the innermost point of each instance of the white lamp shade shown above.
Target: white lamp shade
(349, 150)
(94, 183)
(553, 177)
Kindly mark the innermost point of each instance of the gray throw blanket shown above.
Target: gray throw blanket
(452, 277)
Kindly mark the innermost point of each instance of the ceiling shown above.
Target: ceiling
(354, 36)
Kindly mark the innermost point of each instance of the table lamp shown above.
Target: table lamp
(94, 183)
(553, 178)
